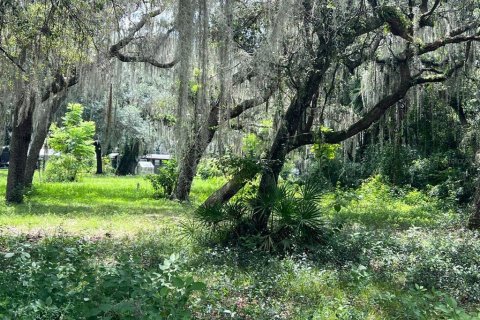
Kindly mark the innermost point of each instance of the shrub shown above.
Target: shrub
(445, 175)
(208, 168)
(251, 145)
(377, 203)
(65, 168)
(394, 163)
(164, 181)
(295, 218)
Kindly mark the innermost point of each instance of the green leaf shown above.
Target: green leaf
(164, 292)
(177, 282)
(198, 286)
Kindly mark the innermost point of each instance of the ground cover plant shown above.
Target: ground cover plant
(97, 248)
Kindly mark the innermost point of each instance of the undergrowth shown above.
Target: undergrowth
(69, 252)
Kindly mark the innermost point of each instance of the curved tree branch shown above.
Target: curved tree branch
(122, 43)
(12, 59)
(432, 46)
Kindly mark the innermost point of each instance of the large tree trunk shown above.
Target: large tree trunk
(189, 163)
(188, 169)
(128, 161)
(21, 135)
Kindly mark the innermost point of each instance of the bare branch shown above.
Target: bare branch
(425, 17)
(429, 47)
(251, 103)
(149, 60)
(12, 59)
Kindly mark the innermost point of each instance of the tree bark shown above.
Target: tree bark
(128, 161)
(456, 105)
(291, 123)
(231, 188)
(194, 153)
(21, 135)
(34, 150)
(98, 157)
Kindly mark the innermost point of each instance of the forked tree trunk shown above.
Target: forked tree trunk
(58, 90)
(281, 147)
(188, 166)
(21, 135)
(291, 124)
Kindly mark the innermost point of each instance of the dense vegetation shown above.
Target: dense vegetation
(389, 253)
(240, 159)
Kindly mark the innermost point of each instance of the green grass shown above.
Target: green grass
(97, 205)
(112, 230)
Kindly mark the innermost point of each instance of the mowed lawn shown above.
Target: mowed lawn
(97, 205)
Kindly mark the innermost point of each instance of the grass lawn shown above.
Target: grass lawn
(103, 248)
(96, 206)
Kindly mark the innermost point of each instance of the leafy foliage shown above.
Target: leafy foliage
(164, 181)
(423, 268)
(74, 142)
(60, 280)
(209, 168)
(295, 217)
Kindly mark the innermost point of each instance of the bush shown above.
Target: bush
(164, 181)
(108, 169)
(57, 278)
(209, 168)
(65, 168)
(377, 203)
(445, 175)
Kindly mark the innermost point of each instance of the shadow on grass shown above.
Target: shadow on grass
(40, 208)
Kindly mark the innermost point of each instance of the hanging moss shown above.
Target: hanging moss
(398, 22)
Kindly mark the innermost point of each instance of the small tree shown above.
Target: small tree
(74, 142)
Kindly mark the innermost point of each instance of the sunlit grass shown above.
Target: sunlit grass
(97, 205)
